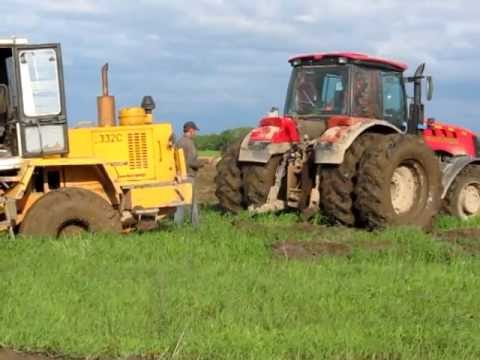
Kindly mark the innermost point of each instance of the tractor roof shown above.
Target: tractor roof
(399, 66)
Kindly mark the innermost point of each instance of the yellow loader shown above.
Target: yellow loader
(55, 181)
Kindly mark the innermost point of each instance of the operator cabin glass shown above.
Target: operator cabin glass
(39, 79)
(317, 91)
(394, 109)
(365, 93)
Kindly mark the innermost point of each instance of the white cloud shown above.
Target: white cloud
(239, 48)
(82, 6)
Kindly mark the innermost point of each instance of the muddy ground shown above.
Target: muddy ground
(205, 184)
(13, 355)
(466, 240)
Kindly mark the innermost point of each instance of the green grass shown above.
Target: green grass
(217, 292)
(209, 153)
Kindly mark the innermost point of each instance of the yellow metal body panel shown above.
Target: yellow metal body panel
(180, 161)
(139, 153)
(137, 165)
(134, 116)
(147, 197)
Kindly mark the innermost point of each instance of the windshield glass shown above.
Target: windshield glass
(319, 90)
(39, 79)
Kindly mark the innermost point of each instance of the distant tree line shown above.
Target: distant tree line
(222, 140)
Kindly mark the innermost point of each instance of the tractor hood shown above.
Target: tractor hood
(278, 129)
(450, 139)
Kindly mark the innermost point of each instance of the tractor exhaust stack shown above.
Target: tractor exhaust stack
(105, 102)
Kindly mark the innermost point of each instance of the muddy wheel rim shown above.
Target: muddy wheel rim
(469, 200)
(72, 229)
(404, 187)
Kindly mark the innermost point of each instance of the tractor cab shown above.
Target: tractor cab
(348, 84)
(32, 100)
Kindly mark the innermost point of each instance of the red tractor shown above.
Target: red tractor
(352, 144)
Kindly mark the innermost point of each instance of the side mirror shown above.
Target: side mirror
(420, 70)
(429, 88)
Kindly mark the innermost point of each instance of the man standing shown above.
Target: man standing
(193, 165)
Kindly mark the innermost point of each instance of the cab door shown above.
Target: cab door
(393, 99)
(42, 124)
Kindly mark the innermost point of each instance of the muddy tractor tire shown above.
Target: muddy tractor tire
(399, 183)
(338, 183)
(258, 179)
(228, 181)
(70, 211)
(463, 196)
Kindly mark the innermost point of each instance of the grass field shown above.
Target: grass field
(219, 292)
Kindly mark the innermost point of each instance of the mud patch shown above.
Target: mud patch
(14, 355)
(205, 183)
(468, 240)
(374, 246)
(309, 250)
(6, 354)
(459, 234)
(290, 230)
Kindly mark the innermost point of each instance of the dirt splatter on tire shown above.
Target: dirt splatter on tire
(258, 179)
(338, 183)
(399, 183)
(228, 181)
(69, 211)
(463, 196)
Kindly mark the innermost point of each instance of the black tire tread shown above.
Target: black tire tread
(338, 183)
(449, 204)
(258, 179)
(52, 210)
(228, 181)
(369, 195)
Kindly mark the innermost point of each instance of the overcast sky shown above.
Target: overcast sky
(223, 63)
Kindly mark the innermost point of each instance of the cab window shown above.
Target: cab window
(316, 91)
(40, 83)
(332, 92)
(366, 100)
(393, 98)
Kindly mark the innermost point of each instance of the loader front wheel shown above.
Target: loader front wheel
(228, 181)
(463, 197)
(70, 211)
(399, 183)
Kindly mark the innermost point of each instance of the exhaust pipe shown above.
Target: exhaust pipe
(106, 103)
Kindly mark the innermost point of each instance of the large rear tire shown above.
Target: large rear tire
(463, 196)
(338, 183)
(70, 211)
(258, 179)
(228, 181)
(399, 183)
